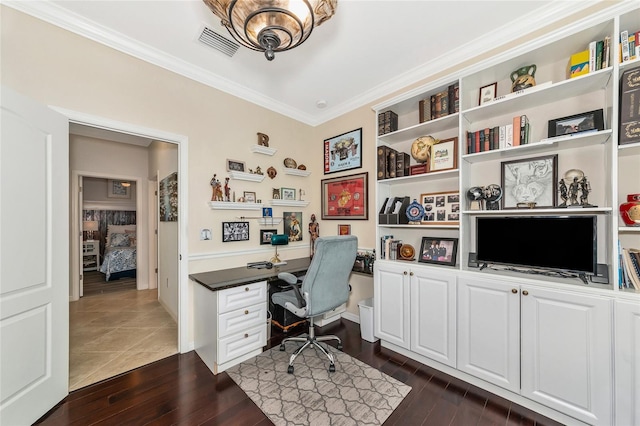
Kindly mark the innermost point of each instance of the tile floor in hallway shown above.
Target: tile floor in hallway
(113, 333)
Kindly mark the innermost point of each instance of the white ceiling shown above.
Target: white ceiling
(366, 51)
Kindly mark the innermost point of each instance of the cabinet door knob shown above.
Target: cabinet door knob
(404, 273)
(525, 292)
(246, 312)
(246, 335)
(411, 273)
(246, 289)
(514, 291)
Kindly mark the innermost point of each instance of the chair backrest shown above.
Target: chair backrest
(327, 279)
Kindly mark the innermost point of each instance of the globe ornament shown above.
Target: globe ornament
(421, 148)
(475, 195)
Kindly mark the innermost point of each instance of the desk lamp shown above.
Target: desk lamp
(90, 226)
(278, 240)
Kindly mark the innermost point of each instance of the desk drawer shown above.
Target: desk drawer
(239, 344)
(242, 319)
(242, 296)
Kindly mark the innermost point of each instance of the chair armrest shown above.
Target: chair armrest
(288, 278)
(293, 280)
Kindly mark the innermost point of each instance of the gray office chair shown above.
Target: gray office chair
(324, 287)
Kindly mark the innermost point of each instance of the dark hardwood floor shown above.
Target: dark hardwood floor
(180, 390)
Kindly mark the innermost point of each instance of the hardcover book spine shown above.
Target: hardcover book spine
(382, 162)
(477, 141)
(629, 107)
(509, 135)
(391, 163)
(432, 105)
(606, 52)
(424, 116)
(496, 138)
(599, 49)
(516, 130)
(502, 141)
(624, 46)
(523, 125)
(487, 140)
(592, 56)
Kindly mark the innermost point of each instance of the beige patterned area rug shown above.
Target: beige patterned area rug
(355, 394)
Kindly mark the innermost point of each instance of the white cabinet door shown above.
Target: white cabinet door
(391, 303)
(433, 314)
(489, 330)
(566, 352)
(627, 362)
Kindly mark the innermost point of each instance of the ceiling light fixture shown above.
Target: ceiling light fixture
(274, 25)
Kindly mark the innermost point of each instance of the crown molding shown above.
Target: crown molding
(65, 19)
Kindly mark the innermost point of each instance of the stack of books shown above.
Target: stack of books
(629, 268)
(440, 104)
(499, 137)
(629, 46)
(594, 58)
(392, 163)
(387, 122)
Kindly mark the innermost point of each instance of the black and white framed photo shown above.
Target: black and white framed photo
(288, 194)
(265, 235)
(249, 196)
(530, 180)
(591, 121)
(235, 166)
(438, 250)
(343, 152)
(235, 231)
(487, 93)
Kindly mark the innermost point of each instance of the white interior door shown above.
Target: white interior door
(34, 261)
(80, 237)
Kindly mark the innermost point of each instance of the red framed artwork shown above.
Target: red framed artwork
(346, 197)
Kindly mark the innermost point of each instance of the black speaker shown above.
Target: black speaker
(473, 261)
(602, 274)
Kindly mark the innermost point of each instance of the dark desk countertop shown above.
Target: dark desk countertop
(228, 278)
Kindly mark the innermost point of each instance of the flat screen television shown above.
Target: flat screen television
(558, 243)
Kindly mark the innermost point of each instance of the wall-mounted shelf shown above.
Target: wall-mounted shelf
(228, 205)
(265, 150)
(269, 221)
(251, 177)
(289, 203)
(296, 172)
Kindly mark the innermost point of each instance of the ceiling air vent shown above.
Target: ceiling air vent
(218, 42)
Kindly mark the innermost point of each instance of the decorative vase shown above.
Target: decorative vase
(523, 78)
(630, 211)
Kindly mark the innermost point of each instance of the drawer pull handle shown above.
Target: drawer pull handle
(514, 291)
(246, 312)
(405, 272)
(246, 335)
(525, 292)
(246, 289)
(411, 273)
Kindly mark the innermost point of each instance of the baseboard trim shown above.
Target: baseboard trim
(351, 317)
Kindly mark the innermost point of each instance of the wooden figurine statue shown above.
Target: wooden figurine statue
(217, 189)
(314, 230)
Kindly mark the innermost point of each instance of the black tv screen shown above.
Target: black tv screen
(566, 243)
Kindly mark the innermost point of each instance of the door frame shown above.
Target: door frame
(182, 141)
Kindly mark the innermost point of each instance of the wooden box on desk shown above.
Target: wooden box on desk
(385, 217)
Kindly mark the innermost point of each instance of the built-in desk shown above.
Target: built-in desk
(230, 312)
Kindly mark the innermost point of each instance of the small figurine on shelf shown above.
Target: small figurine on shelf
(259, 171)
(271, 172)
(573, 192)
(216, 188)
(227, 190)
(585, 189)
(314, 231)
(301, 194)
(562, 188)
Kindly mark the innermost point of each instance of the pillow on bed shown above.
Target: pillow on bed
(120, 240)
(118, 229)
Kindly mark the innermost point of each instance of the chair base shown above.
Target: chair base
(311, 340)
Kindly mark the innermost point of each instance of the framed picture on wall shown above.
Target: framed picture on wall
(235, 231)
(343, 152)
(345, 197)
(118, 188)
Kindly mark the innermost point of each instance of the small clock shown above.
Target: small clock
(415, 211)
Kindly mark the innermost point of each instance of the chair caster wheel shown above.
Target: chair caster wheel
(290, 369)
(332, 368)
(281, 348)
(339, 346)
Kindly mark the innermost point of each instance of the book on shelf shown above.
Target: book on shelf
(516, 130)
(454, 98)
(606, 52)
(624, 46)
(592, 56)
(425, 115)
(402, 164)
(386, 162)
(599, 50)
(579, 64)
(629, 114)
(508, 135)
(524, 123)
(631, 264)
